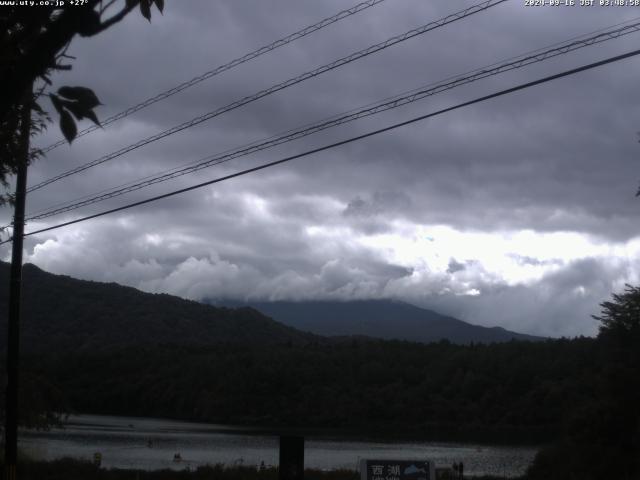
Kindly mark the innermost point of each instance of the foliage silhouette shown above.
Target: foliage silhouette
(601, 438)
(512, 392)
(33, 46)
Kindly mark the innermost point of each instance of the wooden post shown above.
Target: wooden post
(291, 458)
(15, 287)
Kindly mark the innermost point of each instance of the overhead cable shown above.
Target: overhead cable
(280, 86)
(223, 68)
(353, 115)
(342, 142)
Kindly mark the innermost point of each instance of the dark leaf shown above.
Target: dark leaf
(131, 3)
(79, 111)
(83, 95)
(57, 104)
(75, 108)
(91, 115)
(68, 126)
(145, 9)
(160, 5)
(90, 23)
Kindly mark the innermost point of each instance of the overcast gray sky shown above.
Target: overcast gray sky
(517, 212)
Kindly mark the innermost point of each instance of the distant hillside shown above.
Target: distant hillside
(61, 314)
(381, 319)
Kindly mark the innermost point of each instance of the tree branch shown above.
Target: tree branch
(36, 60)
(117, 17)
(106, 7)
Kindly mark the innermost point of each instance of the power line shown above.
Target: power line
(344, 142)
(583, 37)
(280, 86)
(223, 68)
(388, 104)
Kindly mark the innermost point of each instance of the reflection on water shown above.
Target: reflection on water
(149, 444)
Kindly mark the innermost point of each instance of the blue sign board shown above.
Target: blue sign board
(397, 470)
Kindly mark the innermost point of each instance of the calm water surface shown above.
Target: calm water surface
(149, 444)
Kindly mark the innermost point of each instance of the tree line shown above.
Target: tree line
(511, 392)
(580, 398)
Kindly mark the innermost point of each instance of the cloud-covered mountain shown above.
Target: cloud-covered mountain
(381, 319)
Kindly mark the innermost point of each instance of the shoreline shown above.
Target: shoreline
(505, 437)
(150, 444)
(72, 469)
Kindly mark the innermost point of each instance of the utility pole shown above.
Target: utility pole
(15, 285)
(291, 466)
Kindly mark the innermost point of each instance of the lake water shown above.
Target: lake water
(149, 444)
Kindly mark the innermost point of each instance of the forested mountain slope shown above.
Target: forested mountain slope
(61, 313)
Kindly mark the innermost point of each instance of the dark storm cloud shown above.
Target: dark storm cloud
(486, 157)
(562, 157)
(380, 203)
(455, 266)
(374, 215)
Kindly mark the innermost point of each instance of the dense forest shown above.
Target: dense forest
(516, 391)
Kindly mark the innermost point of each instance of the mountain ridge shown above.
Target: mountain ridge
(61, 313)
(384, 319)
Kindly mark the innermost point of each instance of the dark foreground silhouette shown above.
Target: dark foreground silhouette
(76, 470)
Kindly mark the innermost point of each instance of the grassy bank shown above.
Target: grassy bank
(70, 469)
